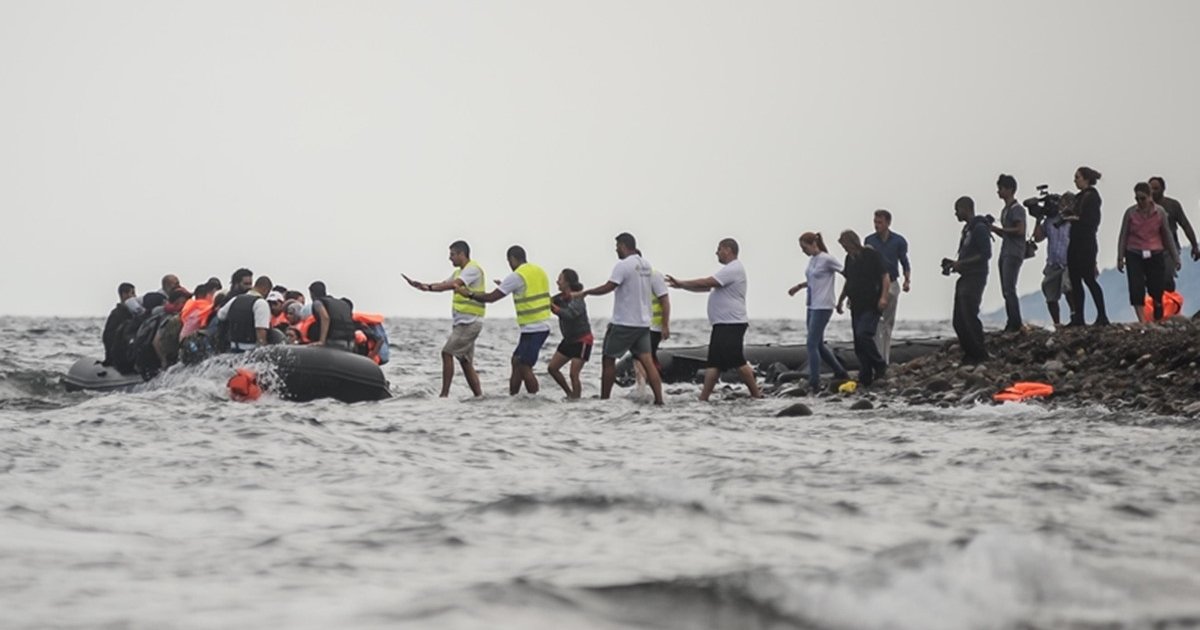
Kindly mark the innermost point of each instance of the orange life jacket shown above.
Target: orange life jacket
(203, 307)
(1172, 305)
(279, 320)
(302, 327)
(1024, 391)
(243, 386)
(367, 344)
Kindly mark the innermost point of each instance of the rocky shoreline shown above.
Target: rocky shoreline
(1135, 367)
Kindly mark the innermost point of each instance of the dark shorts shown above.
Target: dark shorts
(655, 339)
(620, 339)
(725, 346)
(529, 346)
(579, 349)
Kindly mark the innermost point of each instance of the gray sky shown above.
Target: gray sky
(353, 141)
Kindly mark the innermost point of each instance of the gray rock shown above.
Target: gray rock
(862, 405)
(1054, 366)
(793, 411)
(938, 385)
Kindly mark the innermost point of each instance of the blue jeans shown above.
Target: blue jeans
(818, 319)
(870, 361)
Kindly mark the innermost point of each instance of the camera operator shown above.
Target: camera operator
(974, 251)
(1056, 231)
(1083, 248)
(1178, 219)
(1011, 230)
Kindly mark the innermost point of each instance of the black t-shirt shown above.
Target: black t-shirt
(864, 279)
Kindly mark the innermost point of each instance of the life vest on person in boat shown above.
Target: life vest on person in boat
(370, 338)
(195, 315)
(1024, 391)
(1172, 305)
(279, 321)
(305, 328)
(243, 386)
(341, 320)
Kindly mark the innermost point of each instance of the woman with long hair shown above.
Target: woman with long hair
(819, 280)
(1083, 248)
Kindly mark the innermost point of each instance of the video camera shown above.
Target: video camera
(1045, 205)
(947, 266)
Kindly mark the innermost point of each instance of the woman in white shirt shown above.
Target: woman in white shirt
(822, 268)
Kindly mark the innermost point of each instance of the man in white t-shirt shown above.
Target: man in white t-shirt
(727, 313)
(630, 327)
(467, 316)
(530, 287)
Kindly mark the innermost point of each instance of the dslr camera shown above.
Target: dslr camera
(947, 266)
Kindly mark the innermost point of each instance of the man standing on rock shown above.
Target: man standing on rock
(629, 330)
(1011, 230)
(727, 313)
(1176, 218)
(867, 285)
(894, 249)
(974, 251)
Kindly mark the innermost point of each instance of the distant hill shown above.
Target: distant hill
(1116, 294)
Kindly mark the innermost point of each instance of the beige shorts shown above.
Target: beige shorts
(461, 344)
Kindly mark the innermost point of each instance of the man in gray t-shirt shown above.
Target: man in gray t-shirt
(1012, 248)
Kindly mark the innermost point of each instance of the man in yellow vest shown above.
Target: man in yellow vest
(468, 316)
(530, 287)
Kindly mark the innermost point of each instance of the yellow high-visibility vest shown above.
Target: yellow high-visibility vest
(466, 305)
(533, 302)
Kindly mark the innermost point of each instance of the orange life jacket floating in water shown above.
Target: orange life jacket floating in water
(1024, 391)
(1172, 305)
(243, 386)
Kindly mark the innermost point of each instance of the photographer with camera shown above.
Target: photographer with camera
(974, 251)
(1083, 248)
(1051, 227)
(1012, 248)
(1145, 237)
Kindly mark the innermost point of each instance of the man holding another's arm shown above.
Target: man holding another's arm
(629, 330)
(727, 314)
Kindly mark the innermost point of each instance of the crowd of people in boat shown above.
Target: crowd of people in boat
(150, 332)
(157, 329)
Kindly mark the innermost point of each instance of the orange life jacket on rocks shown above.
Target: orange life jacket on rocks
(1024, 391)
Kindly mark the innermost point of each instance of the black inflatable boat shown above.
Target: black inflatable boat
(299, 373)
(681, 365)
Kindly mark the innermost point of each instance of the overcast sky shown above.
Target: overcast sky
(353, 141)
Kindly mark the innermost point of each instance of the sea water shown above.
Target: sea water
(172, 507)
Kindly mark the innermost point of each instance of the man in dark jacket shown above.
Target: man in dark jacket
(867, 285)
(974, 251)
(119, 315)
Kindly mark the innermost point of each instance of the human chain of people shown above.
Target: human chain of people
(153, 331)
